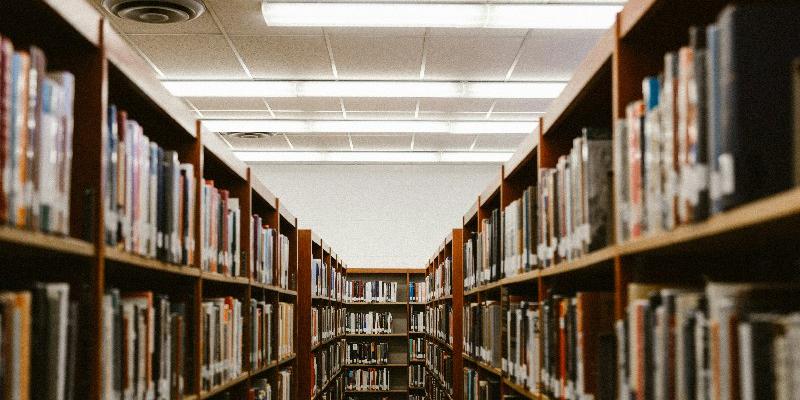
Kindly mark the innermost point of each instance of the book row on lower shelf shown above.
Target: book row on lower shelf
(223, 324)
(370, 322)
(416, 376)
(417, 292)
(439, 282)
(326, 281)
(326, 362)
(416, 349)
(439, 322)
(334, 391)
(367, 379)
(480, 388)
(326, 323)
(270, 344)
(266, 244)
(416, 321)
(370, 291)
(368, 353)
(36, 124)
(481, 338)
(440, 362)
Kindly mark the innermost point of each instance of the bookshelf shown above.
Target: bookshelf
(398, 341)
(722, 248)
(447, 294)
(74, 37)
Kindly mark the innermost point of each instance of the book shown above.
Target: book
(368, 353)
(370, 291)
(369, 323)
(223, 324)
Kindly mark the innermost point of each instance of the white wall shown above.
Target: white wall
(379, 215)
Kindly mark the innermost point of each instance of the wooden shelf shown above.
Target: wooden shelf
(40, 241)
(261, 369)
(439, 380)
(521, 390)
(483, 288)
(328, 383)
(225, 386)
(524, 153)
(123, 257)
(389, 303)
(375, 365)
(214, 277)
(439, 341)
(287, 360)
(326, 342)
(589, 260)
(375, 335)
(486, 367)
(274, 288)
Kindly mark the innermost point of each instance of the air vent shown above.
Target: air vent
(155, 11)
(249, 135)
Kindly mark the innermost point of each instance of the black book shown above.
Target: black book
(757, 43)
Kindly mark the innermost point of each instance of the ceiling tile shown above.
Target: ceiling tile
(461, 116)
(522, 105)
(283, 114)
(243, 17)
(477, 32)
(271, 143)
(228, 103)
(190, 56)
(321, 142)
(554, 54)
(515, 116)
(437, 142)
(374, 32)
(304, 104)
(285, 57)
(455, 105)
(381, 142)
(372, 115)
(360, 57)
(380, 104)
(499, 142)
(202, 24)
(454, 58)
(236, 114)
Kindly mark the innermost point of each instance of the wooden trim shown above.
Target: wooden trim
(524, 153)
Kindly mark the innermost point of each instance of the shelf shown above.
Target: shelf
(438, 379)
(524, 153)
(589, 260)
(520, 390)
(524, 277)
(42, 241)
(443, 298)
(375, 335)
(274, 288)
(123, 257)
(320, 344)
(225, 386)
(482, 365)
(328, 383)
(415, 333)
(259, 370)
(211, 276)
(416, 361)
(189, 397)
(389, 303)
(440, 341)
(483, 288)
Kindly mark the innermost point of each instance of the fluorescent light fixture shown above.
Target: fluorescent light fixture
(368, 126)
(373, 156)
(441, 15)
(404, 89)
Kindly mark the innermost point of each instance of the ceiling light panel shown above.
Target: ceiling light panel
(370, 126)
(373, 156)
(440, 15)
(366, 89)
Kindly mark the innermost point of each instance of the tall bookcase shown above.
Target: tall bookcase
(398, 340)
(450, 251)
(75, 38)
(724, 247)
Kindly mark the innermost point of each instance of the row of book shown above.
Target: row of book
(39, 330)
(439, 322)
(223, 323)
(36, 127)
(149, 199)
(144, 345)
(370, 291)
(416, 321)
(480, 388)
(440, 280)
(416, 349)
(262, 389)
(575, 200)
(326, 281)
(520, 224)
(417, 292)
(481, 338)
(366, 379)
(686, 149)
(261, 328)
(326, 362)
(482, 253)
(285, 330)
(440, 361)
(724, 341)
(270, 254)
(220, 231)
(326, 323)
(416, 376)
(434, 391)
(369, 322)
(369, 353)
(334, 391)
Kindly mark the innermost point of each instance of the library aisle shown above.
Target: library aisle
(522, 200)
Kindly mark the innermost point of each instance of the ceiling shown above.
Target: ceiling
(231, 41)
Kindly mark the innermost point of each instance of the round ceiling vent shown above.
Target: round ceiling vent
(250, 135)
(155, 11)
